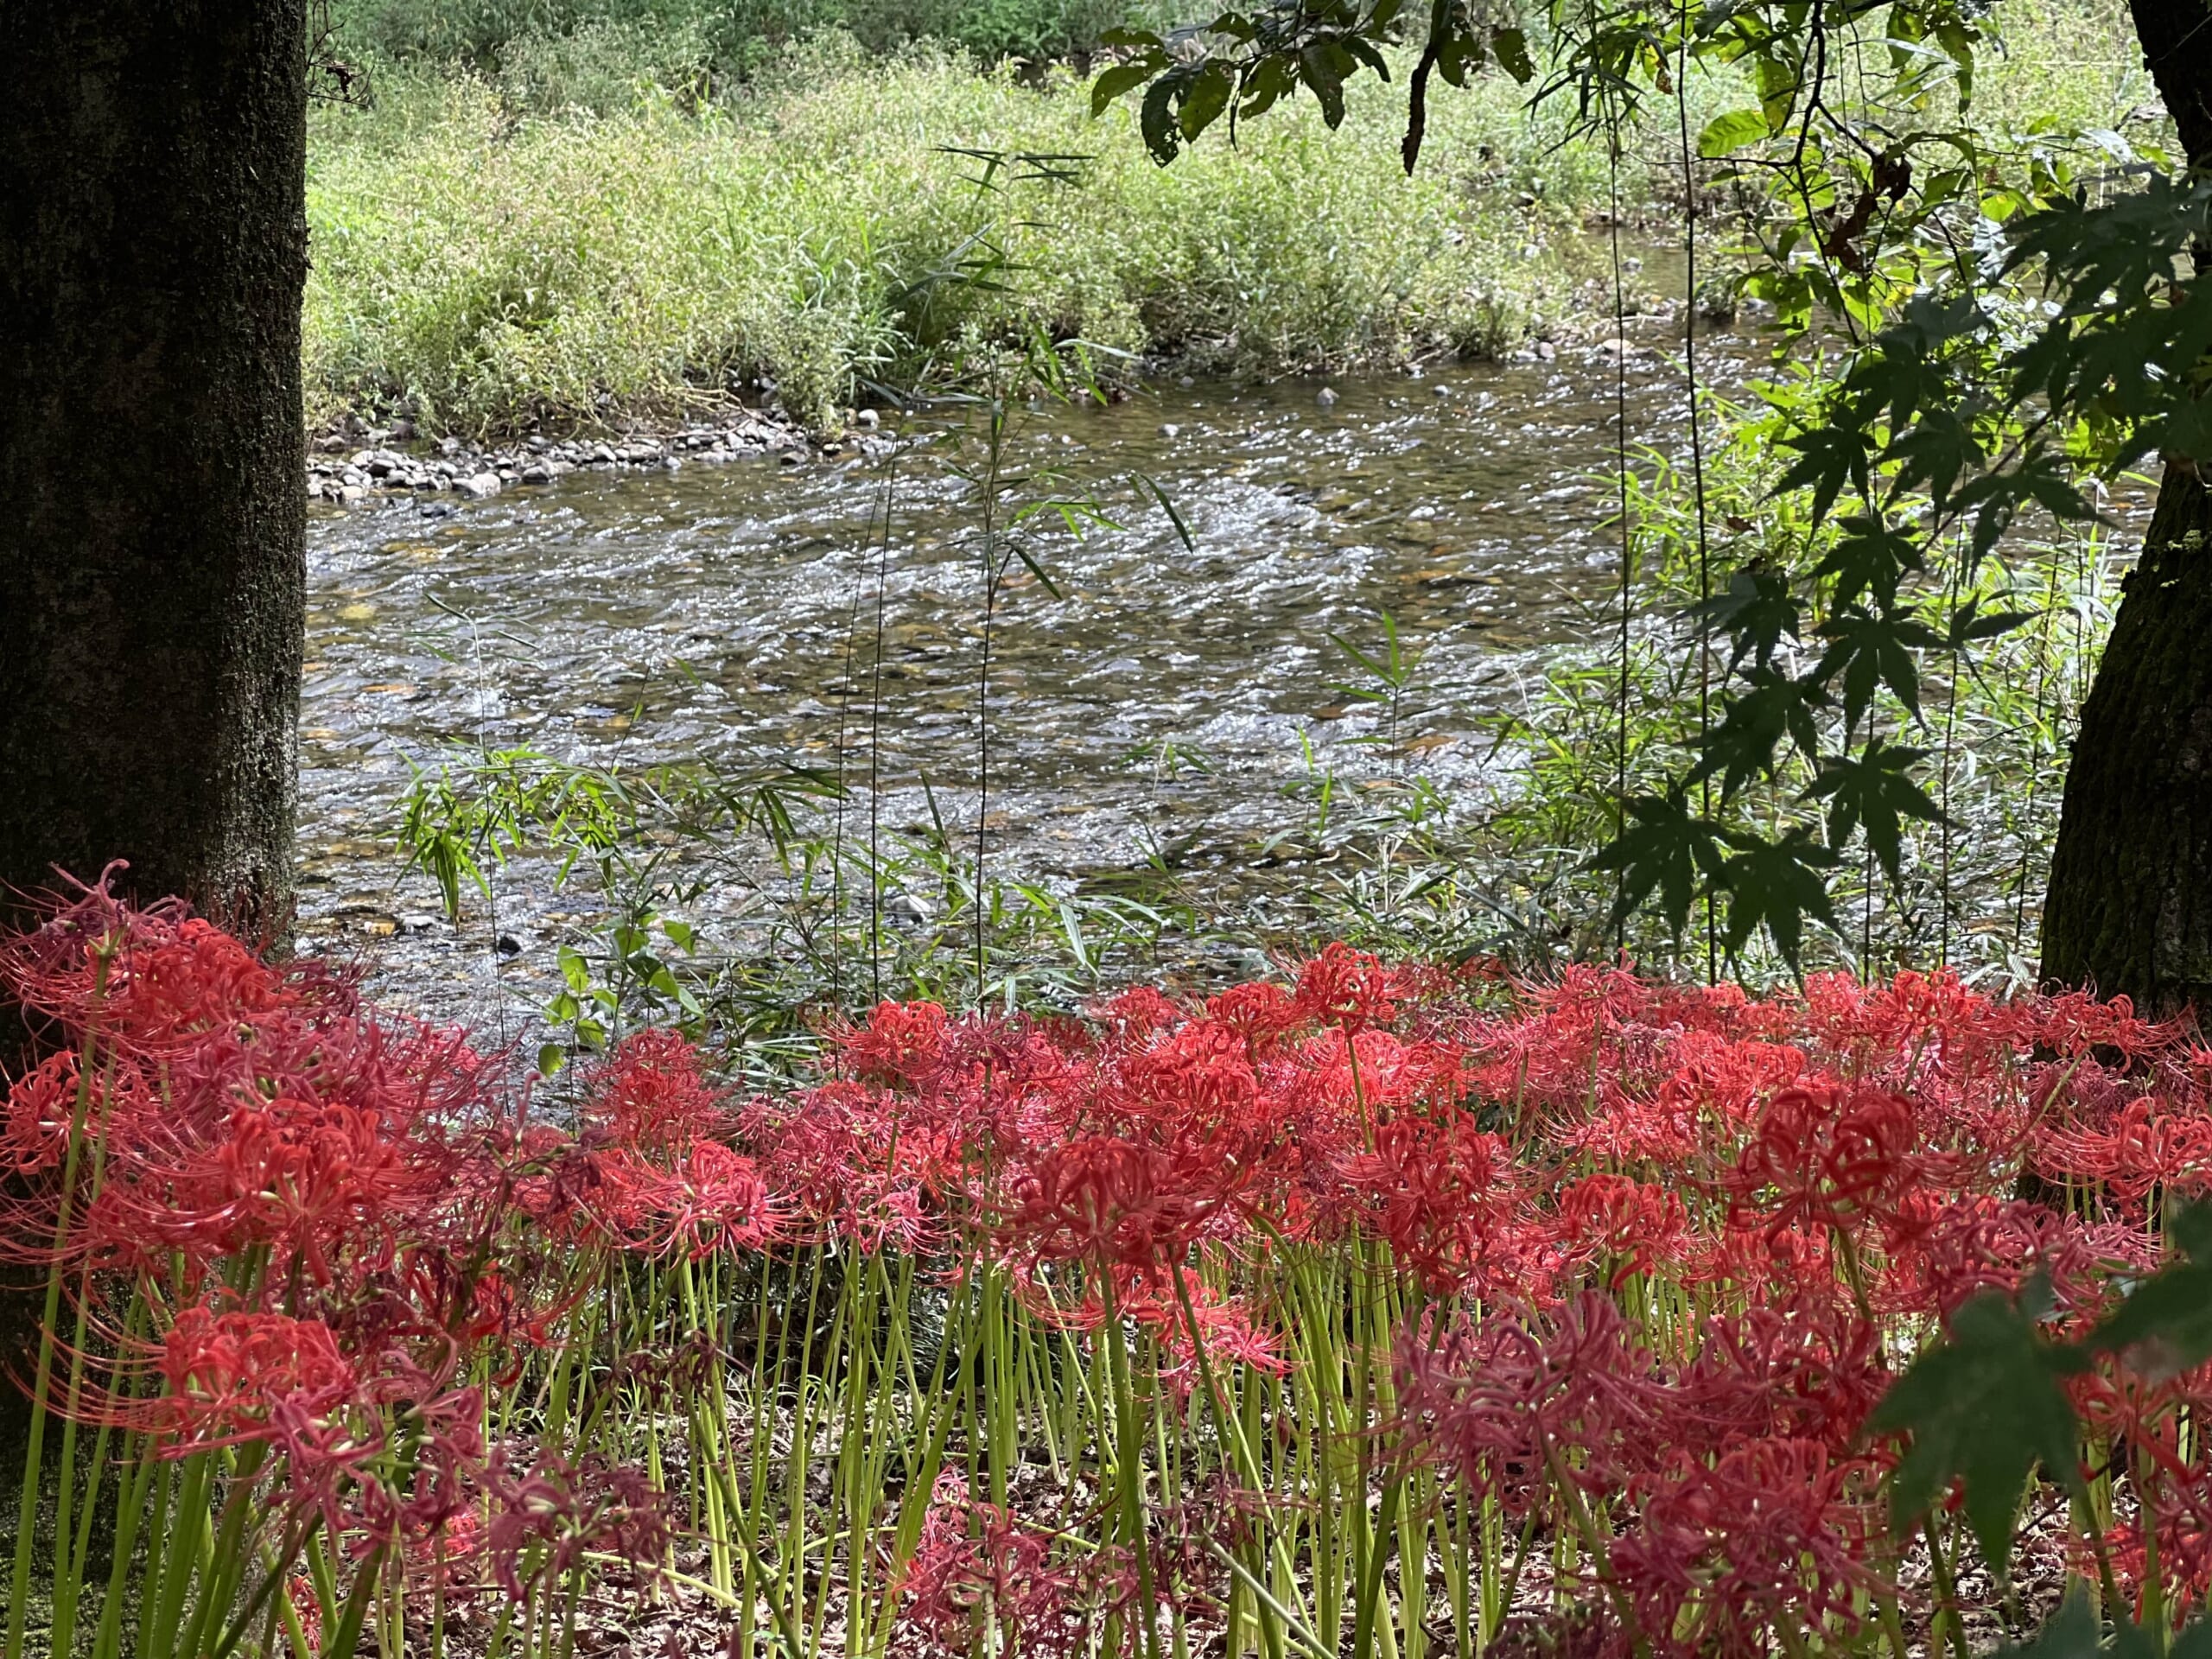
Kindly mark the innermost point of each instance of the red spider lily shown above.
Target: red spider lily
(1503, 1404)
(236, 1107)
(1219, 1327)
(652, 1096)
(152, 979)
(978, 1575)
(1139, 1013)
(1112, 1203)
(1263, 1014)
(713, 1198)
(1956, 1245)
(1180, 1562)
(1719, 1082)
(2076, 1023)
(900, 1044)
(2150, 1421)
(227, 1373)
(1348, 989)
(1197, 1080)
(444, 1427)
(290, 1385)
(1634, 1224)
(1445, 1195)
(1773, 1534)
(307, 1607)
(2147, 1145)
(547, 1520)
(1831, 1156)
(1805, 1368)
(351, 1216)
(41, 1104)
(845, 1161)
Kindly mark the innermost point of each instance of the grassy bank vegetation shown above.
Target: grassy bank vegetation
(571, 212)
(485, 266)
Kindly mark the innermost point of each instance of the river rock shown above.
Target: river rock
(479, 487)
(903, 909)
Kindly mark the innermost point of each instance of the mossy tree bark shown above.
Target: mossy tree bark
(153, 248)
(2130, 904)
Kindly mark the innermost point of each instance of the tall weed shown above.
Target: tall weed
(490, 268)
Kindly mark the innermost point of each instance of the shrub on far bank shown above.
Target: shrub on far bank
(572, 209)
(731, 39)
(488, 269)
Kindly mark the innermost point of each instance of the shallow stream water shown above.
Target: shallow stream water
(730, 613)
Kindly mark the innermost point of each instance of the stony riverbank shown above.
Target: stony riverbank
(381, 465)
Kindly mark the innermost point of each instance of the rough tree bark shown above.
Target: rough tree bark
(153, 248)
(2130, 904)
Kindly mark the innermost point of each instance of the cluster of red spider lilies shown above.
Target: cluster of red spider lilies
(1394, 1310)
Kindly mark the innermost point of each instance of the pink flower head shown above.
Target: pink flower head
(979, 1576)
(652, 1095)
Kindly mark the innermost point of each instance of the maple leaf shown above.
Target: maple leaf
(1873, 791)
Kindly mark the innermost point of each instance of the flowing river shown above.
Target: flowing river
(730, 613)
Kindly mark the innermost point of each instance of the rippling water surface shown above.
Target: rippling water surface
(731, 612)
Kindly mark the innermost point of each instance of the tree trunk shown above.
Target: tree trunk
(152, 247)
(2130, 905)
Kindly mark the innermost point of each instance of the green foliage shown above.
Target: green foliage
(625, 40)
(2129, 354)
(2168, 1321)
(1874, 789)
(1985, 1407)
(1253, 60)
(1668, 850)
(1960, 405)
(1987, 1404)
(485, 270)
(1968, 883)
(2075, 1632)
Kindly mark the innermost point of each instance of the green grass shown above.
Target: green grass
(730, 39)
(489, 267)
(595, 225)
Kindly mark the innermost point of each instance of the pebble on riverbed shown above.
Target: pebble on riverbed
(346, 476)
